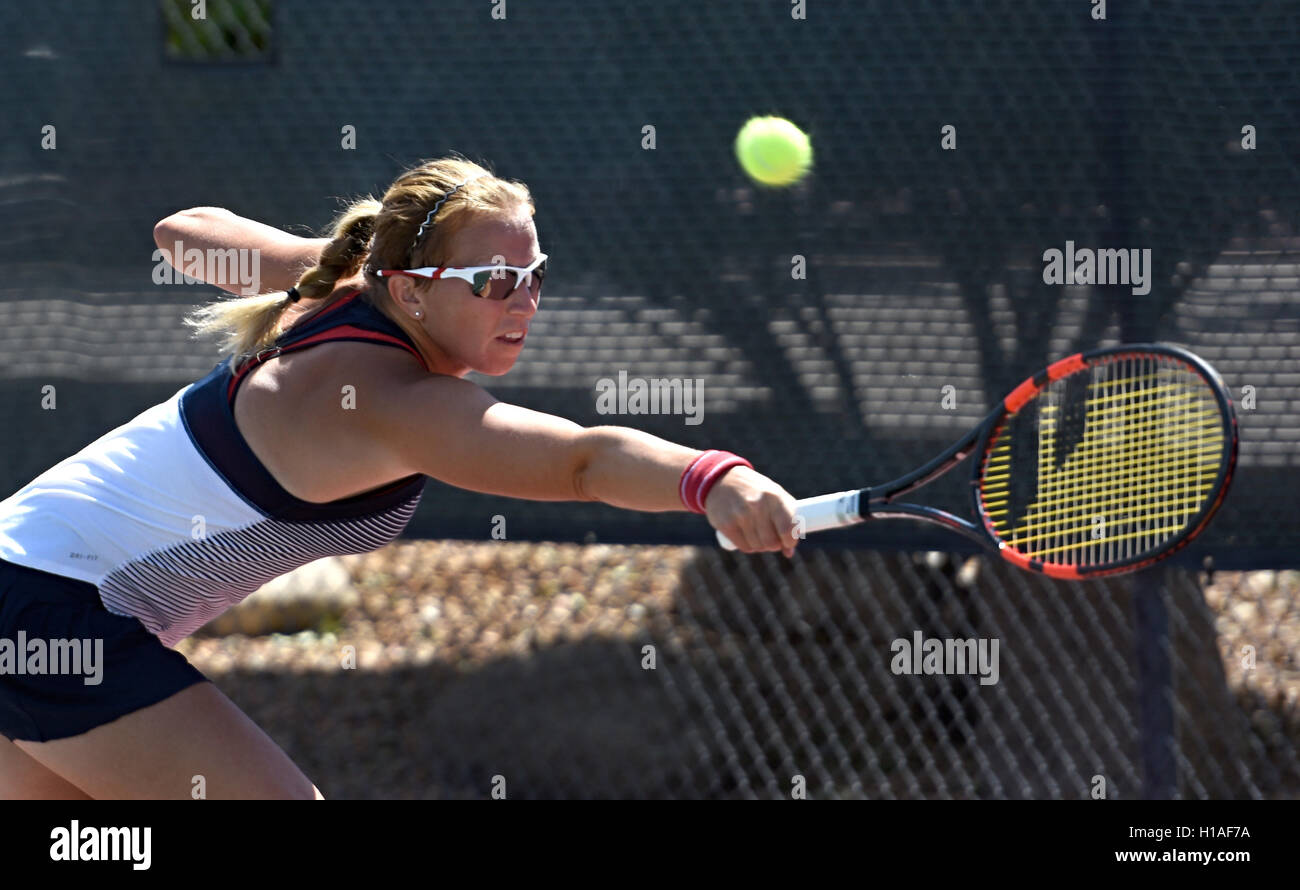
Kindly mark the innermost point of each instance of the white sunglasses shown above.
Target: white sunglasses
(495, 282)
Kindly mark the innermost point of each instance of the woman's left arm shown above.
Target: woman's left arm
(280, 260)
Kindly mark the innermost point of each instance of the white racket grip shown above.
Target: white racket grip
(820, 513)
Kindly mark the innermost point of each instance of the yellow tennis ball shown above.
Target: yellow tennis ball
(773, 151)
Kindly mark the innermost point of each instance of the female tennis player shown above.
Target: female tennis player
(339, 391)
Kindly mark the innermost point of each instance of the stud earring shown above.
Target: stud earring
(419, 314)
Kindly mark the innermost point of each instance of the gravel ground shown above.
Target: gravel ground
(466, 603)
(1257, 619)
(465, 664)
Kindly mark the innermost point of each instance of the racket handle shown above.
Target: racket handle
(820, 513)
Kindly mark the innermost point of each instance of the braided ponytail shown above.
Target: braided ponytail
(251, 324)
(342, 257)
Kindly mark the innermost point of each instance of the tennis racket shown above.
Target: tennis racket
(1103, 463)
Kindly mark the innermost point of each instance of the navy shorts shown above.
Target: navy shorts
(67, 664)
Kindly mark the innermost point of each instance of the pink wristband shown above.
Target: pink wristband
(703, 473)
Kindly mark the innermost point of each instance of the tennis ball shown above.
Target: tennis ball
(773, 151)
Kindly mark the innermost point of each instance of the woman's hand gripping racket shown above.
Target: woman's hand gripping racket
(1103, 463)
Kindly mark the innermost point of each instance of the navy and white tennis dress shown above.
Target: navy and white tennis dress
(155, 528)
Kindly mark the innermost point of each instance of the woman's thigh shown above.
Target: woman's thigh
(195, 740)
(130, 717)
(22, 778)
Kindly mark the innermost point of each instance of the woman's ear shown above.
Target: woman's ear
(400, 288)
(407, 294)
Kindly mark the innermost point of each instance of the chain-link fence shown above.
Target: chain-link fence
(631, 671)
(955, 144)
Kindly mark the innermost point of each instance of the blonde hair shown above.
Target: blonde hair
(381, 234)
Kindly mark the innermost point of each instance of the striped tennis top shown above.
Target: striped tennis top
(172, 516)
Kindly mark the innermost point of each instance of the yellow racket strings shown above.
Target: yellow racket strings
(1147, 461)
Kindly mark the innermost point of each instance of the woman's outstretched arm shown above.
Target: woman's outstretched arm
(280, 260)
(456, 432)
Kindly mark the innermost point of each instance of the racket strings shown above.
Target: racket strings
(1147, 460)
(1098, 467)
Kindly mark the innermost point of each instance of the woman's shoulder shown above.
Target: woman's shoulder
(313, 417)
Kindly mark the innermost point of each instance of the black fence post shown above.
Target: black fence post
(1154, 687)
